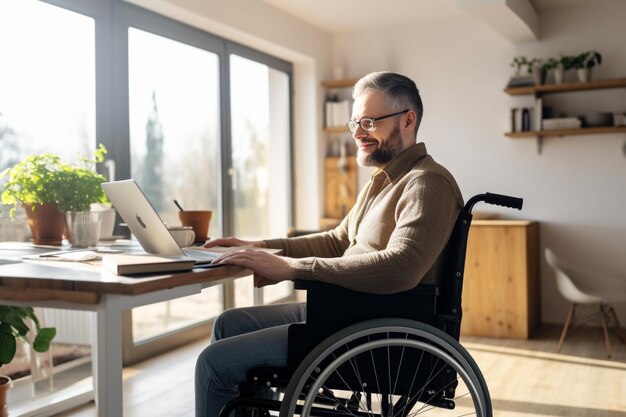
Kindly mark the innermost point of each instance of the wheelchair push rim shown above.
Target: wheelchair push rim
(322, 365)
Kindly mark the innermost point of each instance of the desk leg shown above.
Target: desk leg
(107, 358)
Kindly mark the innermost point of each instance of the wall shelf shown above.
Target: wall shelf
(562, 88)
(540, 90)
(347, 83)
(336, 129)
(566, 132)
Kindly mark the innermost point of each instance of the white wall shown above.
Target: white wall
(255, 24)
(576, 188)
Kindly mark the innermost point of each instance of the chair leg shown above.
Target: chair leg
(570, 315)
(607, 342)
(618, 326)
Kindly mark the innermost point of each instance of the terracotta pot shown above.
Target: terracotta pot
(5, 384)
(47, 223)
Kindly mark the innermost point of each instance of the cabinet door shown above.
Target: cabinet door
(500, 293)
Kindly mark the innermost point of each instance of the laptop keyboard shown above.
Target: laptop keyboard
(201, 255)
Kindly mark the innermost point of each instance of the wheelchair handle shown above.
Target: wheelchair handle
(504, 200)
(497, 199)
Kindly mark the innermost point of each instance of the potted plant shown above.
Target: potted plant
(536, 69)
(13, 326)
(549, 66)
(518, 63)
(584, 62)
(47, 187)
(565, 63)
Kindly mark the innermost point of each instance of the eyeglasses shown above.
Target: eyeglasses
(368, 124)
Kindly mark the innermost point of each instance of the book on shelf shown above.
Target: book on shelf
(129, 264)
(561, 123)
(521, 81)
(538, 116)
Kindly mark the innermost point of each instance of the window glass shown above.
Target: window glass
(174, 139)
(260, 157)
(47, 81)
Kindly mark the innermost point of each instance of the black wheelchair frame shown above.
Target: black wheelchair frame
(351, 339)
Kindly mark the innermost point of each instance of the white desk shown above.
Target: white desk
(88, 287)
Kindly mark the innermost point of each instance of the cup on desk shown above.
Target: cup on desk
(83, 227)
(184, 235)
(198, 220)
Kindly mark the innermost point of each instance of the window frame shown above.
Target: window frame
(112, 19)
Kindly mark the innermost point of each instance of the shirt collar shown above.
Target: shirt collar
(403, 162)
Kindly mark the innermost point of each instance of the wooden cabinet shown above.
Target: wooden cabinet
(501, 296)
(541, 90)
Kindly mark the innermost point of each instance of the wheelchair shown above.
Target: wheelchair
(371, 355)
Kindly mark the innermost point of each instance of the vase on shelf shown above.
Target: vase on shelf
(584, 74)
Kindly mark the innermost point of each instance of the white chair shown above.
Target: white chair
(580, 286)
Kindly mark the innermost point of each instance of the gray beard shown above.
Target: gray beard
(384, 153)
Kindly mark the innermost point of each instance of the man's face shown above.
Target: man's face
(384, 143)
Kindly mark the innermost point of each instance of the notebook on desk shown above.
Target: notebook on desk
(146, 225)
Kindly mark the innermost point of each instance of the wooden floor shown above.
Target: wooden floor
(525, 378)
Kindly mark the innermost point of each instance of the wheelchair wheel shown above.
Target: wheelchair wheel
(387, 368)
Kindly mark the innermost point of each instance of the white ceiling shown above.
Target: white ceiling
(344, 15)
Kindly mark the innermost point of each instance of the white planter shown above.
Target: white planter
(558, 75)
(539, 75)
(584, 74)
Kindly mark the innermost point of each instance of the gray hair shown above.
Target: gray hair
(400, 92)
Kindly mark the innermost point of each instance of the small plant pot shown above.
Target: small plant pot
(5, 384)
(47, 223)
(558, 74)
(539, 75)
(584, 74)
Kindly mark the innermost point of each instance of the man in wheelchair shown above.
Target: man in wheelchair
(389, 242)
(386, 244)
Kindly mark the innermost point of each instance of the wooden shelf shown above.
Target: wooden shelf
(566, 132)
(340, 83)
(336, 129)
(563, 88)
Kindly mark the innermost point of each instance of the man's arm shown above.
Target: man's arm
(425, 216)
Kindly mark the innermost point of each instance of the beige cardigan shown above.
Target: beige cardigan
(392, 236)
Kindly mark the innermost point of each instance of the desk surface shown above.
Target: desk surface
(84, 282)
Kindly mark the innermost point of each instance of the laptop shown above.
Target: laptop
(146, 225)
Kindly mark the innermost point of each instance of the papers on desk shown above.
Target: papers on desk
(65, 256)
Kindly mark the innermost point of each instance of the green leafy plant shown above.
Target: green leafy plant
(567, 62)
(45, 178)
(550, 64)
(519, 62)
(587, 59)
(13, 326)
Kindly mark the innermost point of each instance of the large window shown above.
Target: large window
(174, 97)
(47, 81)
(260, 160)
(189, 115)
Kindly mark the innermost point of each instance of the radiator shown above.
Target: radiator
(73, 327)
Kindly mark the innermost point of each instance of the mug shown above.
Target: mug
(184, 236)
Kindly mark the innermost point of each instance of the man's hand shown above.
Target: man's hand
(268, 268)
(233, 241)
